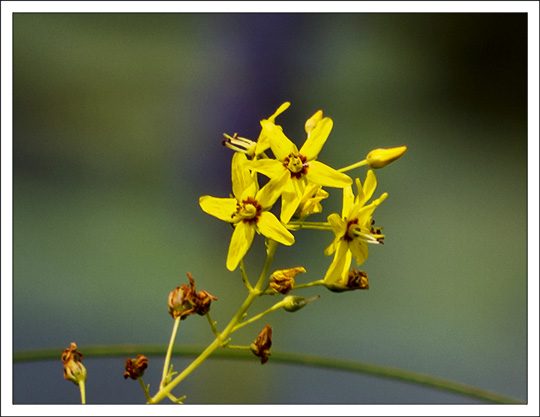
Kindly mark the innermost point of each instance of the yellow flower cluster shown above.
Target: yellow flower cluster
(297, 177)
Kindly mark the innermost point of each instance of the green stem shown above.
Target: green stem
(169, 351)
(145, 389)
(212, 325)
(258, 316)
(94, 351)
(239, 347)
(348, 168)
(309, 284)
(244, 275)
(83, 392)
(297, 225)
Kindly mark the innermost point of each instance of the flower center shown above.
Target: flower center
(296, 164)
(249, 210)
(355, 231)
(352, 227)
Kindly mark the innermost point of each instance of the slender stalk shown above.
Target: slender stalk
(212, 325)
(348, 168)
(169, 351)
(244, 275)
(297, 225)
(258, 316)
(280, 357)
(239, 347)
(145, 389)
(83, 392)
(309, 284)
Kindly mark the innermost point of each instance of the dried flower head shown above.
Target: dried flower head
(352, 280)
(261, 346)
(74, 370)
(282, 281)
(185, 300)
(135, 367)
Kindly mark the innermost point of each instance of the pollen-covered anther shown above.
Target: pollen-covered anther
(296, 164)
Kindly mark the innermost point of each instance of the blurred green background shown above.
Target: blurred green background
(118, 120)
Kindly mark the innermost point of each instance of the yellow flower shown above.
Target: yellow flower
(301, 165)
(248, 210)
(353, 230)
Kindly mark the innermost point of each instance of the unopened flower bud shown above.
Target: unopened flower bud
(312, 122)
(295, 303)
(379, 158)
(261, 346)
(135, 367)
(74, 370)
(282, 281)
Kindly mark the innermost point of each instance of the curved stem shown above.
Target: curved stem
(258, 316)
(297, 225)
(169, 350)
(244, 275)
(309, 284)
(283, 357)
(145, 389)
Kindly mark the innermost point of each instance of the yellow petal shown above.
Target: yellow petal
(339, 227)
(222, 208)
(280, 110)
(341, 263)
(363, 213)
(269, 167)
(359, 250)
(313, 121)
(326, 176)
(280, 144)
(268, 195)
(271, 227)
(291, 197)
(242, 179)
(316, 139)
(240, 243)
(348, 201)
(368, 188)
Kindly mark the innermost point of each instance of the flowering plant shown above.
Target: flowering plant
(297, 178)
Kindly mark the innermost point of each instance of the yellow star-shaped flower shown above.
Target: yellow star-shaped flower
(300, 166)
(248, 210)
(353, 230)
